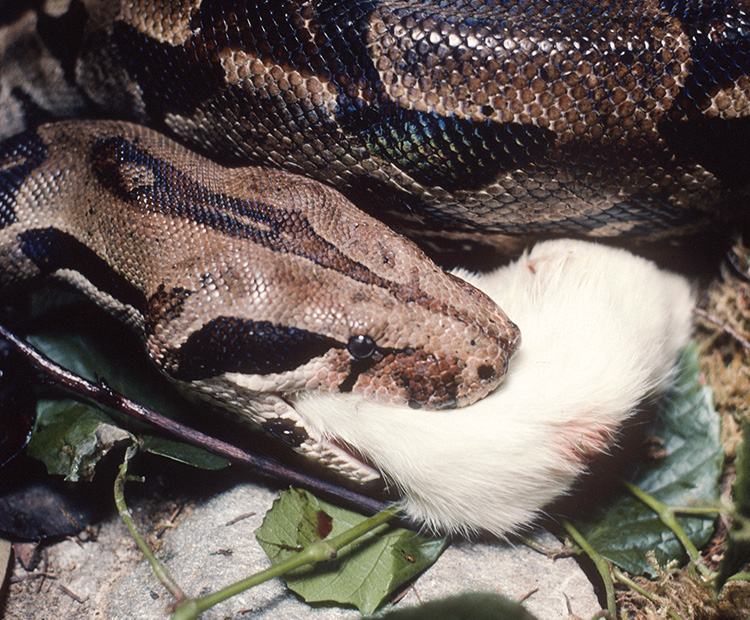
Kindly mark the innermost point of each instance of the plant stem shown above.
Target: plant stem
(55, 375)
(119, 492)
(550, 552)
(623, 578)
(667, 517)
(698, 511)
(602, 566)
(318, 551)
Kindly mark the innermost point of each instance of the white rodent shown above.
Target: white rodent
(601, 331)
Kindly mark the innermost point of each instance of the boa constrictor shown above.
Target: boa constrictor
(457, 122)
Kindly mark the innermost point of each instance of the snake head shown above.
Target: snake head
(435, 342)
(356, 308)
(285, 287)
(397, 330)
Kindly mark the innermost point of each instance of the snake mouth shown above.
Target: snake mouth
(280, 415)
(288, 425)
(341, 459)
(427, 380)
(336, 456)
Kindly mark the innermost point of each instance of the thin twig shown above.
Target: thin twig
(45, 566)
(165, 525)
(241, 517)
(413, 588)
(119, 492)
(601, 565)
(56, 375)
(528, 594)
(72, 594)
(319, 551)
(35, 575)
(724, 327)
(405, 592)
(633, 585)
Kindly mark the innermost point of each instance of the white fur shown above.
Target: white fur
(601, 330)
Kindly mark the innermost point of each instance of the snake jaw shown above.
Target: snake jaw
(288, 424)
(279, 416)
(340, 460)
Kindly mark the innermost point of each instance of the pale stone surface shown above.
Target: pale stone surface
(204, 553)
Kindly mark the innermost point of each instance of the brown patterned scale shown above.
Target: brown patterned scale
(449, 120)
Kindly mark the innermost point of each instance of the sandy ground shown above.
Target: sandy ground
(107, 578)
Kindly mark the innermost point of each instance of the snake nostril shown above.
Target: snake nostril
(485, 371)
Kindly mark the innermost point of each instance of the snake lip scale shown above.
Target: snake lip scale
(194, 166)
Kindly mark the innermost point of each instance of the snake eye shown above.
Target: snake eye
(361, 347)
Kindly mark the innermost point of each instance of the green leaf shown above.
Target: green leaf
(70, 438)
(363, 573)
(467, 606)
(624, 531)
(113, 357)
(183, 453)
(738, 542)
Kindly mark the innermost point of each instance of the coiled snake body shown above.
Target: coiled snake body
(458, 121)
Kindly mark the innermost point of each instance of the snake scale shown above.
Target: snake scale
(134, 131)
